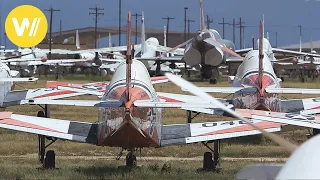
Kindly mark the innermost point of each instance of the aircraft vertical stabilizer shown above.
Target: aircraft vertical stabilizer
(77, 40)
(261, 54)
(129, 58)
(110, 41)
(202, 26)
(143, 35)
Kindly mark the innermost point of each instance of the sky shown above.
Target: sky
(281, 16)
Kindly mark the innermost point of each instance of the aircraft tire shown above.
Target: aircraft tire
(207, 161)
(50, 160)
(131, 160)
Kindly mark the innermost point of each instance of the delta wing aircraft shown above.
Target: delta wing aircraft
(130, 118)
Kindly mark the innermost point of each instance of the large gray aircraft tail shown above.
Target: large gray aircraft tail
(143, 35)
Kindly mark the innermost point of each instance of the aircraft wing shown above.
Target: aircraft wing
(56, 61)
(31, 79)
(62, 129)
(227, 90)
(174, 59)
(292, 91)
(178, 51)
(242, 51)
(234, 60)
(283, 118)
(109, 66)
(179, 134)
(297, 53)
(87, 103)
(97, 88)
(184, 100)
(17, 97)
(305, 106)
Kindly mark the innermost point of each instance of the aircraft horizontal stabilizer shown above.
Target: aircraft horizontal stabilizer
(62, 129)
(148, 103)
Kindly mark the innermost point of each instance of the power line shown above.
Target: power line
(137, 15)
(96, 13)
(168, 20)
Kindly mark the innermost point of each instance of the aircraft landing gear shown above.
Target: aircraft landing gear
(212, 163)
(213, 81)
(131, 159)
(48, 160)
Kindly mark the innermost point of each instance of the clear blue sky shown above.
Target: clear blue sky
(282, 16)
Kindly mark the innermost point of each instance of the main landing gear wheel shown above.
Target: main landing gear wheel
(131, 159)
(211, 160)
(213, 81)
(50, 160)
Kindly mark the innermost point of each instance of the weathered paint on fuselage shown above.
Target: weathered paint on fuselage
(132, 127)
(254, 96)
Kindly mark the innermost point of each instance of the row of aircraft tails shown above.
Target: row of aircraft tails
(130, 112)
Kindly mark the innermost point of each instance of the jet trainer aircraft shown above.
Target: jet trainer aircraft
(130, 117)
(208, 49)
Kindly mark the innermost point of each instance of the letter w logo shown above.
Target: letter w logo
(25, 24)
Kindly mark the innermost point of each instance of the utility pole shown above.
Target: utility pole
(300, 27)
(241, 27)
(223, 23)
(276, 39)
(136, 15)
(60, 28)
(168, 20)
(119, 22)
(96, 13)
(234, 30)
(185, 23)
(50, 31)
(50, 36)
(189, 21)
(209, 21)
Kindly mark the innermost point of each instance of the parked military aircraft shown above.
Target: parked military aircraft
(130, 117)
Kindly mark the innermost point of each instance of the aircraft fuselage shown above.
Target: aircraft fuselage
(130, 127)
(254, 96)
